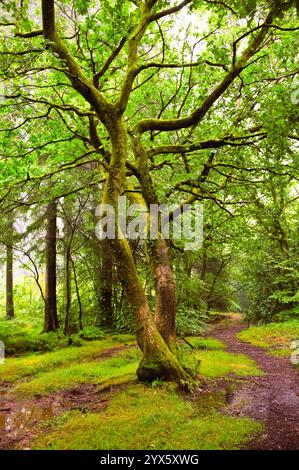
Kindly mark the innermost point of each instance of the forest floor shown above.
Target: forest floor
(273, 398)
(88, 397)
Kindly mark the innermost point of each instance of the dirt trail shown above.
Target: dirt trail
(272, 398)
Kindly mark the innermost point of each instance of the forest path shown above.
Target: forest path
(272, 398)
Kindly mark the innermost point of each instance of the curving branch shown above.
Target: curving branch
(233, 141)
(169, 11)
(194, 118)
(31, 34)
(74, 72)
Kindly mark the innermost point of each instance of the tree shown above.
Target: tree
(107, 95)
(51, 318)
(9, 272)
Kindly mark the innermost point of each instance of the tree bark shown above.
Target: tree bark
(9, 274)
(158, 361)
(165, 308)
(67, 292)
(51, 318)
(102, 276)
(105, 292)
(80, 308)
(68, 236)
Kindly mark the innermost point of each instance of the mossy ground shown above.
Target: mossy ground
(43, 374)
(22, 336)
(145, 418)
(211, 360)
(134, 415)
(276, 337)
(93, 372)
(205, 343)
(221, 363)
(33, 364)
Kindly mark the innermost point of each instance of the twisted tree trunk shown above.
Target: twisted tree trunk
(158, 360)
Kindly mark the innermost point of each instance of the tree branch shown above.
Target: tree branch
(209, 144)
(80, 82)
(32, 34)
(169, 11)
(108, 62)
(199, 113)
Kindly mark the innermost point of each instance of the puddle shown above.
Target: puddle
(15, 424)
(208, 402)
(19, 420)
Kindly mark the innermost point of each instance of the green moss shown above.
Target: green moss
(15, 369)
(208, 402)
(220, 363)
(273, 336)
(22, 335)
(124, 364)
(143, 418)
(205, 343)
(280, 352)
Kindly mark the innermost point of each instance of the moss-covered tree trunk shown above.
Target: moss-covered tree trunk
(165, 309)
(70, 326)
(158, 360)
(68, 329)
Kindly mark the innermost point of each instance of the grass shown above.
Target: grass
(211, 360)
(43, 374)
(140, 417)
(97, 372)
(205, 343)
(30, 365)
(145, 418)
(24, 336)
(276, 337)
(60, 376)
(221, 363)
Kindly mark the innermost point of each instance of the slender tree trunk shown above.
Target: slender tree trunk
(67, 292)
(51, 319)
(213, 285)
(204, 263)
(70, 326)
(9, 273)
(103, 278)
(105, 287)
(80, 315)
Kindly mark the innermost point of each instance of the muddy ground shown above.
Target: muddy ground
(272, 398)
